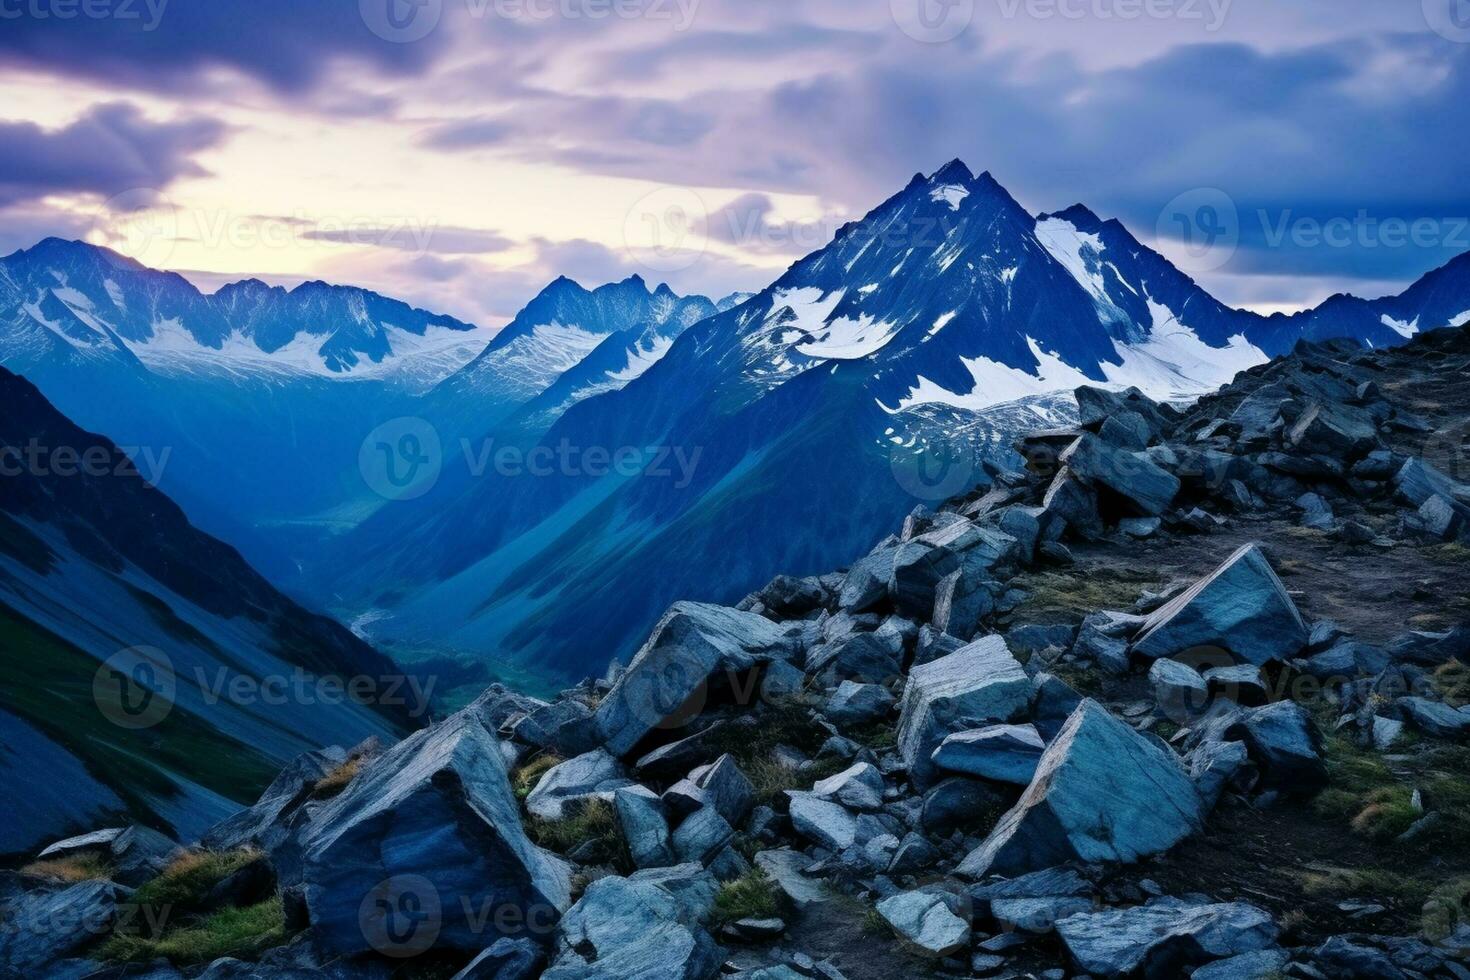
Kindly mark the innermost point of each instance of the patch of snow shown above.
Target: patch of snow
(1081, 255)
(1405, 330)
(952, 194)
(1172, 364)
(115, 293)
(641, 358)
(942, 321)
(847, 339)
(1461, 320)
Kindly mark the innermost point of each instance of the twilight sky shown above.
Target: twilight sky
(462, 153)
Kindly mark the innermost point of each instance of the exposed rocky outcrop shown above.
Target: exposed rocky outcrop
(970, 753)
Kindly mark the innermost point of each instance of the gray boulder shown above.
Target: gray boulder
(928, 920)
(958, 802)
(1340, 431)
(1070, 500)
(1263, 964)
(432, 823)
(787, 868)
(644, 826)
(665, 684)
(1142, 483)
(1216, 766)
(725, 788)
(134, 854)
(1241, 607)
(1036, 915)
(1002, 753)
(1179, 689)
(859, 787)
(1435, 717)
(1316, 512)
(867, 657)
(1284, 742)
(979, 683)
(594, 775)
(822, 821)
(702, 836)
(854, 704)
(1102, 792)
(867, 582)
(628, 928)
(1096, 405)
(41, 925)
(1417, 481)
(508, 959)
(1126, 430)
(1444, 519)
(1165, 937)
(264, 825)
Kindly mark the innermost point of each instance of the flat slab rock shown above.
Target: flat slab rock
(979, 682)
(1102, 793)
(1241, 607)
(1163, 936)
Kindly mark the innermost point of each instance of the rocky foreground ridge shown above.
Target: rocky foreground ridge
(1184, 698)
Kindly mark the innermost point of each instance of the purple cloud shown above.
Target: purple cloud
(112, 149)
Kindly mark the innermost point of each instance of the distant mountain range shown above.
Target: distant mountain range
(780, 432)
(136, 649)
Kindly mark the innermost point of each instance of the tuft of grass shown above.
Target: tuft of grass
(878, 736)
(752, 896)
(1375, 883)
(337, 780)
(1452, 682)
(184, 884)
(229, 932)
(1452, 553)
(1078, 592)
(770, 779)
(1084, 681)
(592, 820)
(80, 867)
(524, 779)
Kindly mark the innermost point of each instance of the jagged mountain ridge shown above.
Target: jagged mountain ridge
(93, 299)
(943, 303)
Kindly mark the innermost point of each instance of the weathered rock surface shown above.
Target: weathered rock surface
(1102, 792)
(927, 920)
(1003, 753)
(594, 775)
(42, 925)
(980, 682)
(1164, 938)
(624, 927)
(663, 685)
(434, 818)
(1241, 607)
